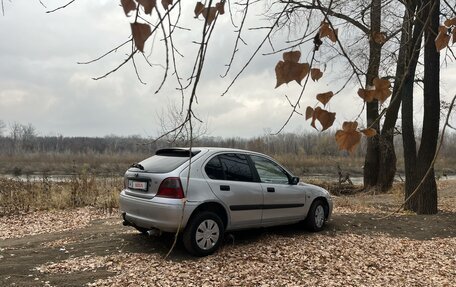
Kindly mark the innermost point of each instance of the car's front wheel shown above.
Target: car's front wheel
(203, 234)
(316, 217)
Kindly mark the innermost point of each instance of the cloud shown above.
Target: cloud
(42, 84)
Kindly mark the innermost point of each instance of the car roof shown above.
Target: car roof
(216, 149)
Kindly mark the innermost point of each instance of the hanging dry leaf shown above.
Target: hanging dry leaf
(333, 36)
(287, 71)
(348, 138)
(128, 5)
(325, 118)
(326, 31)
(442, 39)
(382, 89)
(199, 8)
(450, 22)
(209, 14)
(366, 95)
(325, 97)
(316, 74)
(166, 3)
(309, 112)
(140, 34)
(292, 56)
(379, 37)
(148, 5)
(220, 7)
(454, 35)
(369, 132)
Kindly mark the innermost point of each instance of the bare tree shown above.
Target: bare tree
(2, 127)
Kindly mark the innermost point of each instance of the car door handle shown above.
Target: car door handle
(270, 189)
(225, 187)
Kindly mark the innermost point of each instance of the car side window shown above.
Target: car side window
(214, 169)
(269, 171)
(236, 167)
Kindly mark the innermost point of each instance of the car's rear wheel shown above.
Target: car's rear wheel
(316, 217)
(203, 234)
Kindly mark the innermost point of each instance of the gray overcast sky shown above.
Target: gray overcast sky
(41, 82)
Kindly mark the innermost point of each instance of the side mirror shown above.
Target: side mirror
(294, 180)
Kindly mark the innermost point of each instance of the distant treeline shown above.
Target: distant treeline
(310, 144)
(24, 139)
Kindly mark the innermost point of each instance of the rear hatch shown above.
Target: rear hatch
(143, 179)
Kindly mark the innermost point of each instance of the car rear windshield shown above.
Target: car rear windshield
(166, 160)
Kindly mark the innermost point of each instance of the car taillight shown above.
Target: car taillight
(171, 187)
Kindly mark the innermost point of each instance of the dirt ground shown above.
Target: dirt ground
(358, 248)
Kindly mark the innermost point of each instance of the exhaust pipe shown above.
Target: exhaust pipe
(153, 232)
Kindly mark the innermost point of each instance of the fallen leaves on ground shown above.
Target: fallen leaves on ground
(275, 260)
(341, 255)
(16, 226)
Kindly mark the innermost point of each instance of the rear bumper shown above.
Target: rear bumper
(157, 213)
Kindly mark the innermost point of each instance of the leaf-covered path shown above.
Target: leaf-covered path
(356, 249)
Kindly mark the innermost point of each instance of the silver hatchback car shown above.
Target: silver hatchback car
(207, 191)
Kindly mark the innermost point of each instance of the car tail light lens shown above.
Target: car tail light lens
(171, 187)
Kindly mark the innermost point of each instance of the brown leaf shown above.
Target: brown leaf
(348, 138)
(220, 7)
(209, 13)
(140, 34)
(148, 5)
(333, 36)
(287, 71)
(442, 39)
(325, 97)
(450, 22)
(166, 3)
(454, 35)
(366, 95)
(369, 132)
(199, 8)
(309, 112)
(326, 31)
(292, 56)
(325, 118)
(316, 74)
(382, 89)
(379, 37)
(128, 5)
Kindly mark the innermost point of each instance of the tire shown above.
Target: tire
(316, 218)
(203, 234)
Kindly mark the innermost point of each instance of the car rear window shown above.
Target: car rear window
(166, 160)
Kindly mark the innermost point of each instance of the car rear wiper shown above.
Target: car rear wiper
(137, 165)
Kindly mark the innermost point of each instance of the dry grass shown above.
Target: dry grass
(67, 163)
(83, 189)
(302, 164)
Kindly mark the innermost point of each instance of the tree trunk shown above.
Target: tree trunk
(387, 156)
(371, 161)
(416, 166)
(408, 133)
(427, 195)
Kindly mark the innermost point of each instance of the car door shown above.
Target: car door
(232, 179)
(283, 202)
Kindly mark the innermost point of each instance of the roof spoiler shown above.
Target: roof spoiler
(177, 152)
